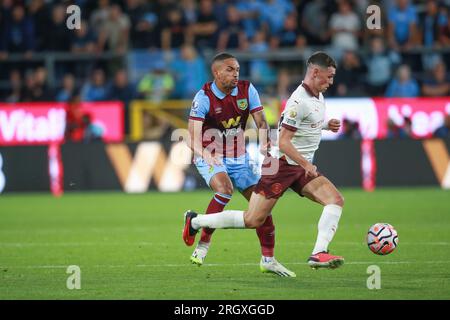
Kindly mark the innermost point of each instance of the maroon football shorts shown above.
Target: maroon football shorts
(274, 184)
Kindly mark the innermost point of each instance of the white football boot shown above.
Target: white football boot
(273, 266)
(200, 252)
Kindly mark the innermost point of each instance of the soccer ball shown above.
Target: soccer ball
(382, 238)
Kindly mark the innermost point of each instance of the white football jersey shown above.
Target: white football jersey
(305, 114)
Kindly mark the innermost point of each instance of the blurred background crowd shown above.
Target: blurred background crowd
(160, 49)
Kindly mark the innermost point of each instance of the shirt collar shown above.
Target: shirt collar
(219, 94)
(308, 89)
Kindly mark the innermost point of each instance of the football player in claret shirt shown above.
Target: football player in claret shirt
(300, 127)
(217, 121)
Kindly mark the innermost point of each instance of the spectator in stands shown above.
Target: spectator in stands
(15, 79)
(444, 130)
(58, 37)
(345, 27)
(431, 21)
(284, 85)
(444, 34)
(175, 32)
(122, 90)
(350, 130)
(99, 16)
(18, 34)
(44, 93)
(206, 28)
(68, 88)
(438, 85)
(157, 85)
(83, 40)
(249, 12)
(92, 132)
(261, 72)
(314, 23)
(403, 85)
(114, 34)
(289, 36)
(143, 24)
(349, 80)
(96, 89)
(189, 7)
(232, 35)
(190, 72)
(379, 63)
(273, 13)
(40, 13)
(399, 131)
(402, 27)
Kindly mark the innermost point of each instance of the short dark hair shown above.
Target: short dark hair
(222, 56)
(322, 59)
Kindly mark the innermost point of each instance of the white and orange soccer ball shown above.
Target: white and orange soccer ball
(382, 238)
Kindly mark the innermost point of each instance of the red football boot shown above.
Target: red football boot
(189, 232)
(325, 260)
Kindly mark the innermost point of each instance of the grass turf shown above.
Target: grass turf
(130, 247)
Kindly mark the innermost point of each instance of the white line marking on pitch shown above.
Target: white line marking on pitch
(214, 264)
(108, 243)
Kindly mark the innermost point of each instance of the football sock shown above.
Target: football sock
(267, 259)
(218, 202)
(231, 219)
(266, 235)
(328, 224)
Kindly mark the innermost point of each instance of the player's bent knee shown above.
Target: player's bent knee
(254, 222)
(224, 189)
(339, 200)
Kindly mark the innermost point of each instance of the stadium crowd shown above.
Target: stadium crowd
(407, 57)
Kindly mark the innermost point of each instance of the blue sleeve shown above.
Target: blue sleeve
(253, 97)
(442, 20)
(412, 15)
(200, 105)
(391, 15)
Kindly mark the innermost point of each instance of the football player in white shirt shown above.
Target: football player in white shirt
(291, 166)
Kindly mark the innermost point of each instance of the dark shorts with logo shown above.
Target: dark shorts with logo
(274, 184)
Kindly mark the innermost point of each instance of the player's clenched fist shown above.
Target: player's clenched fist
(311, 170)
(334, 125)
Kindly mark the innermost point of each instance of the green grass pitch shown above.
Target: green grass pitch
(130, 247)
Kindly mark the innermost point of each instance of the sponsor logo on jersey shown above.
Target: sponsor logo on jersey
(317, 124)
(231, 122)
(230, 132)
(194, 108)
(291, 122)
(242, 104)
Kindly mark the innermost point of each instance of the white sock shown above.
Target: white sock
(229, 219)
(267, 259)
(328, 224)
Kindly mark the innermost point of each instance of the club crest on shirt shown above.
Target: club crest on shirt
(218, 109)
(242, 104)
(292, 114)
